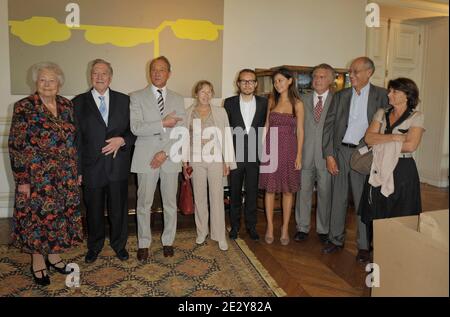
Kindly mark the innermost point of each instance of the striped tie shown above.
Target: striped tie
(161, 102)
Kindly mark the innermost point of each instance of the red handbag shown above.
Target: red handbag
(186, 199)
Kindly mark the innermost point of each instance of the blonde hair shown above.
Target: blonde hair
(200, 85)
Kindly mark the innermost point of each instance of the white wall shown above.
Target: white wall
(258, 34)
(267, 33)
(6, 181)
(433, 149)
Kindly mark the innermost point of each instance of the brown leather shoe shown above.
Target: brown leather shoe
(168, 251)
(142, 254)
(363, 256)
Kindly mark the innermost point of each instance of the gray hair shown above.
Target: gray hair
(368, 63)
(325, 67)
(39, 67)
(101, 61)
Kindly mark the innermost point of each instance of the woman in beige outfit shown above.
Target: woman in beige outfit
(211, 155)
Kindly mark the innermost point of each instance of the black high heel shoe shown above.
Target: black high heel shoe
(61, 270)
(44, 280)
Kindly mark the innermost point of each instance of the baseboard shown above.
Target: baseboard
(433, 182)
(6, 205)
(6, 212)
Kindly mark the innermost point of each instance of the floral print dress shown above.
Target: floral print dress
(43, 154)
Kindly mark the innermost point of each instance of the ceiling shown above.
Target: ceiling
(423, 4)
(437, 1)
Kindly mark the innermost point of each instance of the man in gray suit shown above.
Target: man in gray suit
(347, 120)
(314, 167)
(154, 112)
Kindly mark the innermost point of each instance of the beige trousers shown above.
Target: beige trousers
(146, 190)
(211, 174)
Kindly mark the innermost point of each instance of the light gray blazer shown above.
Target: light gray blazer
(146, 124)
(312, 144)
(336, 121)
(226, 142)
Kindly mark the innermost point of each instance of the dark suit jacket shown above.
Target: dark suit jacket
(336, 122)
(232, 106)
(92, 132)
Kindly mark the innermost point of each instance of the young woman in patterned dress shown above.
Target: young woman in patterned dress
(285, 114)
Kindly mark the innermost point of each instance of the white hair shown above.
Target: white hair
(37, 68)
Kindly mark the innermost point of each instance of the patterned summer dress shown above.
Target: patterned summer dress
(285, 178)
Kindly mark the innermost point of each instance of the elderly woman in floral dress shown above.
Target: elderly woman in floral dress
(47, 217)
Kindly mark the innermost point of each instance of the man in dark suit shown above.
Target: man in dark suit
(246, 113)
(347, 120)
(104, 148)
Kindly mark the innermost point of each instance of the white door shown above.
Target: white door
(397, 51)
(377, 43)
(405, 52)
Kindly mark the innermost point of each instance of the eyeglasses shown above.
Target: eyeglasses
(247, 82)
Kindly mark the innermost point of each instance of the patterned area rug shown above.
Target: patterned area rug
(194, 271)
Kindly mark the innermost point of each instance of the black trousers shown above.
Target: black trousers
(249, 173)
(115, 195)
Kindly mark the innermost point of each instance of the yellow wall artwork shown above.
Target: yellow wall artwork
(190, 36)
(41, 31)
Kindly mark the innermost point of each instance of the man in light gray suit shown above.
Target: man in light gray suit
(347, 120)
(314, 167)
(154, 111)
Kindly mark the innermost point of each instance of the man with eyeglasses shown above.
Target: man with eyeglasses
(246, 113)
(347, 120)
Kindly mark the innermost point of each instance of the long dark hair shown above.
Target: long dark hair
(293, 95)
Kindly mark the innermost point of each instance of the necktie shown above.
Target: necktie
(318, 109)
(103, 110)
(161, 102)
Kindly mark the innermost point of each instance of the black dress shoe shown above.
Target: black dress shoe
(61, 270)
(91, 256)
(168, 251)
(233, 234)
(331, 248)
(300, 236)
(253, 234)
(123, 255)
(44, 280)
(363, 256)
(323, 237)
